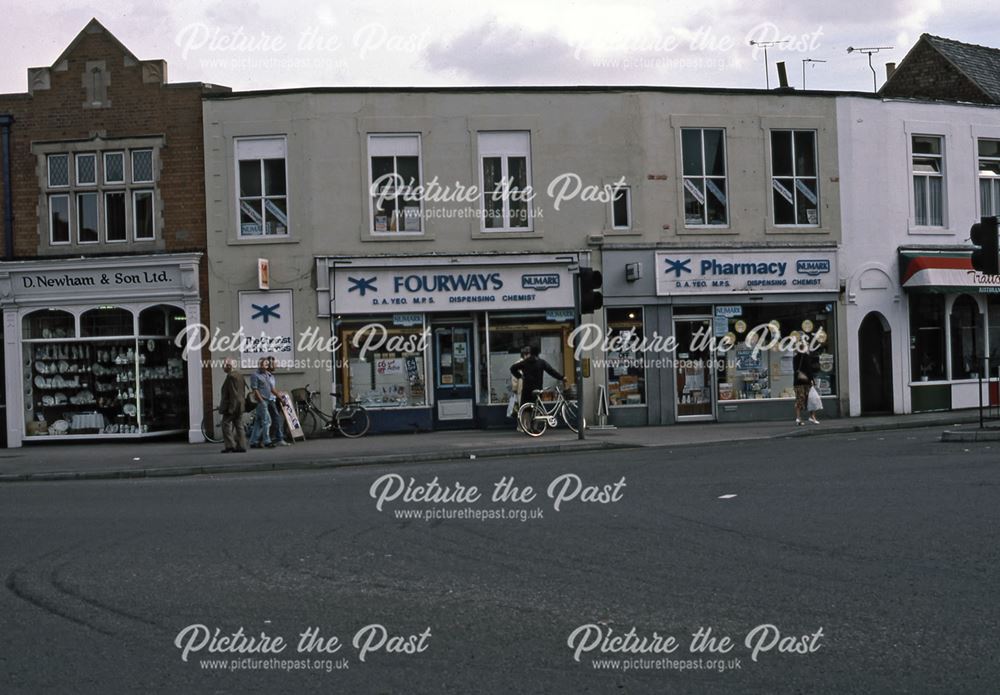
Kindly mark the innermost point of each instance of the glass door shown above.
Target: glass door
(694, 375)
(453, 375)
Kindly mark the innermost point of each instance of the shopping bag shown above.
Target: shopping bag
(814, 402)
(511, 406)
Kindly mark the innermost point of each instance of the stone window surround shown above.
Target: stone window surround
(99, 145)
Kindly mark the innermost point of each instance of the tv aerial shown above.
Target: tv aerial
(869, 51)
(766, 45)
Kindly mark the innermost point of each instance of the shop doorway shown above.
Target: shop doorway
(693, 371)
(454, 375)
(875, 354)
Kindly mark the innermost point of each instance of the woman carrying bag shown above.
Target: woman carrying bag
(806, 396)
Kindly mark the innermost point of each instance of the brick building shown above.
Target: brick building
(104, 234)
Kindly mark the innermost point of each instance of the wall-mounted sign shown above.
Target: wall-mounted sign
(263, 274)
(748, 271)
(266, 321)
(458, 287)
(110, 280)
(731, 311)
(407, 319)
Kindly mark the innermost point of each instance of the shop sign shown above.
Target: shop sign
(748, 271)
(266, 322)
(560, 315)
(729, 311)
(407, 319)
(116, 280)
(359, 290)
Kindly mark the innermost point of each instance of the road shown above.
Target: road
(874, 554)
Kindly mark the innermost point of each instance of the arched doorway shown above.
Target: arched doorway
(875, 358)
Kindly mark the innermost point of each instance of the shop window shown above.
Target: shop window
(989, 177)
(508, 334)
(49, 323)
(390, 378)
(744, 375)
(625, 365)
(927, 352)
(967, 335)
(108, 381)
(505, 167)
(394, 176)
(928, 180)
(106, 321)
(993, 334)
(704, 168)
(794, 177)
(262, 187)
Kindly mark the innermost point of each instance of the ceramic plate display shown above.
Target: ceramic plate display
(129, 409)
(48, 400)
(63, 366)
(39, 382)
(46, 333)
(40, 367)
(60, 398)
(150, 344)
(59, 427)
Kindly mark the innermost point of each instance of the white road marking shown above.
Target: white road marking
(726, 497)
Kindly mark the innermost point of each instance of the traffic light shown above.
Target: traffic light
(590, 281)
(986, 256)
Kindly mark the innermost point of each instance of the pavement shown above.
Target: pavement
(151, 458)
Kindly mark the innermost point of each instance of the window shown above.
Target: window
(989, 177)
(59, 219)
(114, 217)
(505, 165)
(142, 166)
(626, 363)
(927, 354)
(58, 166)
(394, 175)
(86, 218)
(794, 178)
(621, 208)
(86, 169)
(390, 378)
(93, 197)
(967, 338)
(263, 187)
(142, 210)
(928, 181)
(704, 169)
(114, 167)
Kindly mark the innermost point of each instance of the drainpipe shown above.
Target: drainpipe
(6, 121)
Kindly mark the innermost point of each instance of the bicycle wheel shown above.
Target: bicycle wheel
(533, 426)
(211, 426)
(569, 411)
(353, 421)
(309, 423)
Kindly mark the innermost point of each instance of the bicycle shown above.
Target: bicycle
(537, 416)
(211, 425)
(350, 419)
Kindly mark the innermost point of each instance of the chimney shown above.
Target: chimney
(890, 68)
(782, 76)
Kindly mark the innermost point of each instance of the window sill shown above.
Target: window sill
(507, 235)
(795, 229)
(936, 382)
(706, 230)
(255, 241)
(378, 237)
(912, 228)
(632, 231)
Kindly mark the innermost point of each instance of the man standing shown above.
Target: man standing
(260, 386)
(231, 407)
(531, 369)
(275, 406)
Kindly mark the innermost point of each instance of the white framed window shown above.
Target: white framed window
(794, 178)
(143, 215)
(86, 218)
(621, 208)
(505, 168)
(262, 187)
(86, 169)
(114, 167)
(59, 219)
(142, 166)
(58, 170)
(394, 175)
(706, 193)
(928, 180)
(115, 225)
(989, 178)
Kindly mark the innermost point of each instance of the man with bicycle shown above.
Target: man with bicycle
(531, 370)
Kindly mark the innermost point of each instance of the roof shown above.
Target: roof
(979, 64)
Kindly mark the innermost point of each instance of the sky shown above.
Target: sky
(250, 44)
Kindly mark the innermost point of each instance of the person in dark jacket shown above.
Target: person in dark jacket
(531, 369)
(803, 380)
(231, 406)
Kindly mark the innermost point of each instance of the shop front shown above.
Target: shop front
(91, 348)
(717, 338)
(427, 342)
(954, 326)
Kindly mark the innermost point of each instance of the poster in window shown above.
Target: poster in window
(389, 367)
(411, 219)
(381, 223)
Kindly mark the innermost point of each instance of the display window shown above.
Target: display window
(104, 371)
(625, 366)
(968, 347)
(927, 341)
(508, 334)
(746, 375)
(393, 376)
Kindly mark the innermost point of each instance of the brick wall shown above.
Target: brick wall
(926, 74)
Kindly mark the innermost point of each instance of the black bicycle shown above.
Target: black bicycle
(350, 419)
(211, 425)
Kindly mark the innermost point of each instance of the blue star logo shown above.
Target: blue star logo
(678, 266)
(265, 312)
(361, 285)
